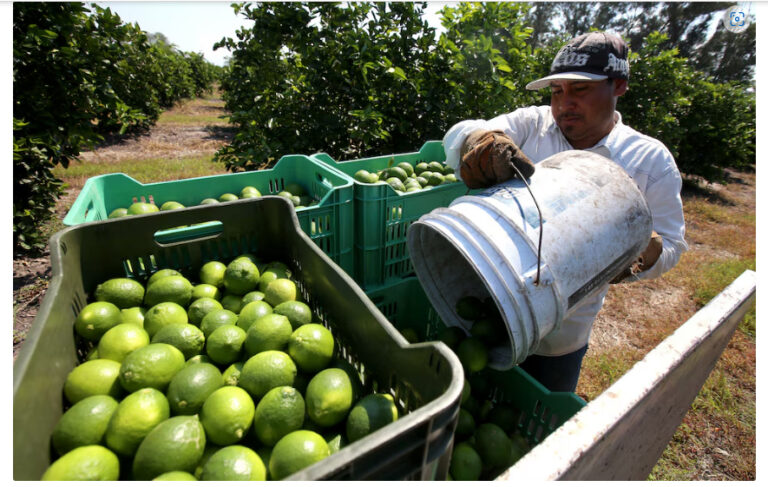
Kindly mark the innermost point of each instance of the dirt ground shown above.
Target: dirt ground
(31, 276)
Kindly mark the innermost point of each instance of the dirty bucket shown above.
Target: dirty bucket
(537, 249)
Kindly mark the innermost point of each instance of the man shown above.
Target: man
(586, 78)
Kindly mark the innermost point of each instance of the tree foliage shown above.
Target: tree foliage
(80, 74)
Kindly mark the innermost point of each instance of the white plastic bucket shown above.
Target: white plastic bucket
(595, 223)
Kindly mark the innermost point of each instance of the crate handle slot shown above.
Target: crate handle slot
(206, 230)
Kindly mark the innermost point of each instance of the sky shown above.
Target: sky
(194, 26)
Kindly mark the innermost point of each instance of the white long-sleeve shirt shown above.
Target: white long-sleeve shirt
(647, 161)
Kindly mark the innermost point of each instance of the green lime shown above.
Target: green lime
(465, 463)
(191, 386)
(208, 452)
(201, 307)
(232, 302)
(151, 366)
(164, 314)
(96, 318)
(252, 312)
(121, 340)
(141, 208)
(235, 462)
(209, 201)
(231, 374)
(265, 371)
(435, 166)
(175, 289)
(451, 336)
(161, 273)
(487, 330)
(279, 291)
(266, 277)
(227, 414)
(198, 359)
(241, 277)
(397, 172)
(451, 178)
(135, 417)
(189, 339)
(493, 445)
(353, 375)
(250, 192)
(465, 426)
(270, 332)
(298, 313)
(225, 344)
(252, 296)
(396, 183)
(372, 412)
(280, 268)
(212, 273)
(421, 167)
(176, 444)
(175, 475)
(362, 176)
(473, 354)
(123, 292)
(205, 291)
(329, 397)
(92, 462)
(466, 391)
(295, 189)
(118, 212)
(311, 347)
(504, 417)
(228, 197)
(83, 424)
(469, 308)
(133, 315)
(336, 441)
(95, 377)
(407, 167)
(171, 205)
(217, 318)
(295, 451)
(279, 412)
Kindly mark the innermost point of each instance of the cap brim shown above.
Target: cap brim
(570, 76)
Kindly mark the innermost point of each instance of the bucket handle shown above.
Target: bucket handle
(541, 227)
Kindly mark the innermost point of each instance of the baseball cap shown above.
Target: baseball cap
(589, 57)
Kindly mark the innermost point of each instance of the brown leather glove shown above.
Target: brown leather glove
(644, 261)
(489, 158)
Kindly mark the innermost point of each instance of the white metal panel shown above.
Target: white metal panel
(621, 434)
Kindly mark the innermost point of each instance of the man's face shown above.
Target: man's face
(584, 109)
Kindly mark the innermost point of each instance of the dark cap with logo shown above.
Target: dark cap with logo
(589, 57)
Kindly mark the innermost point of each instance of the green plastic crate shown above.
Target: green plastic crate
(424, 378)
(539, 411)
(382, 215)
(328, 223)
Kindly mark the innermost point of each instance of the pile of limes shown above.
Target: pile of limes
(486, 441)
(227, 378)
(407, 178)
(292, 191)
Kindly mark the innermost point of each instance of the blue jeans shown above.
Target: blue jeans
(558, 374)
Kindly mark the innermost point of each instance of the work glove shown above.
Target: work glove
(489, 158)
(644, 261)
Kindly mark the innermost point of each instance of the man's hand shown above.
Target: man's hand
(644, 261)
(489, 158)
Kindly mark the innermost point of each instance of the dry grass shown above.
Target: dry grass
(716, 440)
